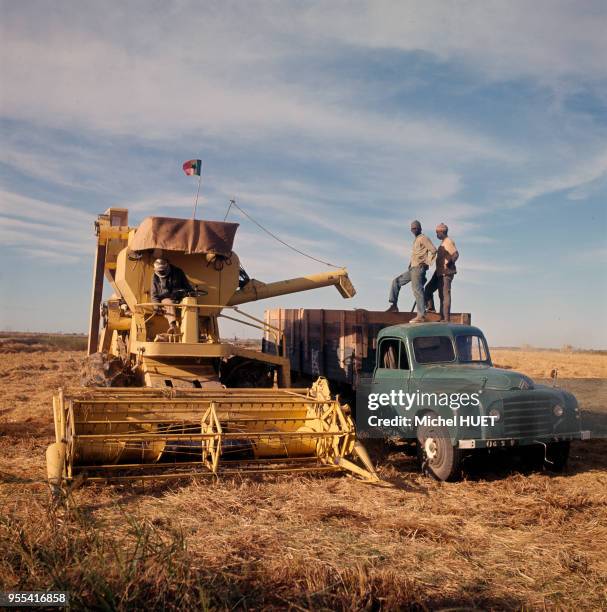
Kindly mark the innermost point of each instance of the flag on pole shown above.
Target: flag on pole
(193, 167)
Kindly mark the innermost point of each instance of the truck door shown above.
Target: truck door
(391, 374)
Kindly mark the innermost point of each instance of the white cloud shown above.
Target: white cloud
(380, 225)
(548, 39)
(110, 87)
(161, 83)
(47, 213)
(37, 165)
(27, 240)
(34, 227)
(331, 156)
(582, 175)
(164, 204)
(490, 266)
(44, 256)
(52, 160)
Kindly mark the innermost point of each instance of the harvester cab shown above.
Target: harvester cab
(193, 357)
(186, 403)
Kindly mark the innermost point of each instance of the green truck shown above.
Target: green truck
(434, 386)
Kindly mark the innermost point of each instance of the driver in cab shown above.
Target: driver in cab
(169, 285)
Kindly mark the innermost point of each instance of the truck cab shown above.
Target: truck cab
(435, 385)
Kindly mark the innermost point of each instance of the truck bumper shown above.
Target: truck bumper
(510, 442)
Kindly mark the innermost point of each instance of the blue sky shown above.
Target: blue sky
(334, 124)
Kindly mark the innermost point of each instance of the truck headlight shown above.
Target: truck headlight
(558, 410)
(494, 412)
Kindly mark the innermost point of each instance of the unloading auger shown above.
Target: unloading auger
(194, 405)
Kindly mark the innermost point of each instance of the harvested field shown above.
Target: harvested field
(21, 342)
(498, 540)
(539, 364)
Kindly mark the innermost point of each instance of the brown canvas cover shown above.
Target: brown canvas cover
(185, 235)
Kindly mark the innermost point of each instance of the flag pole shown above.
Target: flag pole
(197, 193)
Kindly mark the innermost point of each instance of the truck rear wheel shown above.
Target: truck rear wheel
(436, 454)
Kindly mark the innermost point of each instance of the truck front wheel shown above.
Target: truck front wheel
(436, 454)
(557, 455)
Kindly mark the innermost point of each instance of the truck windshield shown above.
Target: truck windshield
(472, 348)
(433, 349)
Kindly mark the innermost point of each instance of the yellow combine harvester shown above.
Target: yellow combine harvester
(194, 405)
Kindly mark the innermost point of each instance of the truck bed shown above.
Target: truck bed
(337, 344)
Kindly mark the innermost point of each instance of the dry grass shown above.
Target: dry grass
(538, 364)
(499, 540)
(22, 342)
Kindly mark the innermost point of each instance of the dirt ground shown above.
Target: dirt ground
(498, 540)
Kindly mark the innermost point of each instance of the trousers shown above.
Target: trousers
(417, 277)
(170, 313)
(443, 285)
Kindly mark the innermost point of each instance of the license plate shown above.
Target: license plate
(500, 443)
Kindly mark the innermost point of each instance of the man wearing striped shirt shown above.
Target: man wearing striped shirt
(422, 257)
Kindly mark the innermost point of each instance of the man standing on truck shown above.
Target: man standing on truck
(422, 257)
(443, 275)
(169, 285)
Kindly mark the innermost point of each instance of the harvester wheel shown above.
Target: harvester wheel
(436, 454)
(55, 468)
(246, 373)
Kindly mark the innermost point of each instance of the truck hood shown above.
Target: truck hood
(481, 375)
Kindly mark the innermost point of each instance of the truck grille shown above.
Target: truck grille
(527, 417)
